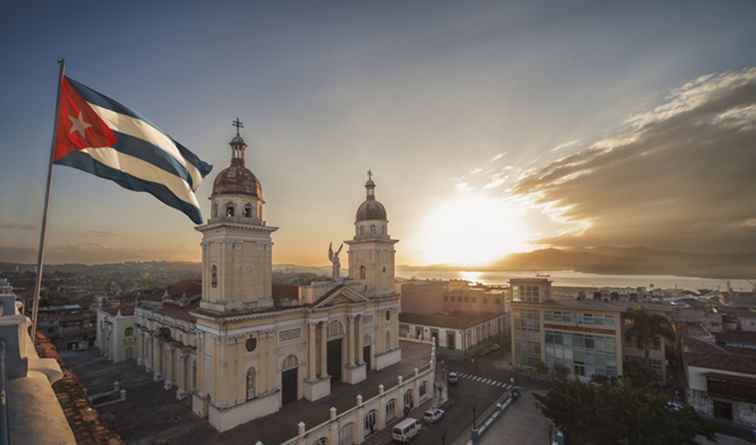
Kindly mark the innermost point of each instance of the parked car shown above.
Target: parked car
(405, 430)
(452, 378)
(433, 415)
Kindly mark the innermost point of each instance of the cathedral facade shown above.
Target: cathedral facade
(240, 351)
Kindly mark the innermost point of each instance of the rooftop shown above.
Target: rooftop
(457, 320)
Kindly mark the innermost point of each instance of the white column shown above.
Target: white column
(156, 358)
(312, 347)
(169, 366)
(350, 340)
(140, 347)
(180, 374)
(360, 347)
(323, 350)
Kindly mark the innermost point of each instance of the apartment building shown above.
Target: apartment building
(583, 337)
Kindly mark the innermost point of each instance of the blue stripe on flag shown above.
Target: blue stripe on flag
(104, 101)
(203, 167)
(82, 161)
(139, 148)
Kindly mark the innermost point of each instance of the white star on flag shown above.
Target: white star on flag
(79, 125)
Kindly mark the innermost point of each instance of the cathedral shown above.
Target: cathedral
(240, 351)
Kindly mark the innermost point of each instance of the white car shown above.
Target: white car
(433, 415)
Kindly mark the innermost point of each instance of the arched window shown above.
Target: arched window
(248, 210)
(370, 422)
(128, 332)
(214, 276)
(335, 329)
(230, 209)
(388, 315)
(384, 269)
(423, 388)
(251, 389)
(362, 272)
(409, 401)
(290, 362)
(391, 409)
(372, 228)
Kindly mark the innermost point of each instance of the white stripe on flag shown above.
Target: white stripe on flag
(143, 130)
(144, 171)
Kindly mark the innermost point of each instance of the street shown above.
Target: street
(481, 383)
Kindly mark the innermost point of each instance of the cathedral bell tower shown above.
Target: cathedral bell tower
(236, 242)
(371, 251)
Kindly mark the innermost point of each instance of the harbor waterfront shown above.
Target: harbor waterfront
(577, 279)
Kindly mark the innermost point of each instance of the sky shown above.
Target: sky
(491, 127)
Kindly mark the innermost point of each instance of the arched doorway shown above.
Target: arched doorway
(409, 402)
(289, 379)
(390, 410)
(366, 352)
(370, 421)
(346, 434)
(335, 332)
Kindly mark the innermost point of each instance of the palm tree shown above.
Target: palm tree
(646, 328)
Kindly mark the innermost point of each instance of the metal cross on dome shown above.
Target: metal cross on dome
(370, 174)
(238, 124)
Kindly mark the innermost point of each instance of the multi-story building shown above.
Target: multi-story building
(70, 327)
(454, 314)
(721, 383)
(582, 337)
(455, 296)
(458, 332)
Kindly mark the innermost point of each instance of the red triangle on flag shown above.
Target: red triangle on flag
(79, 126)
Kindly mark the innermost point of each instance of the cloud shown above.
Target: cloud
(497, 157)
(17, 226)
(463, 186)
(475, 171)
(496, 181)
(677, 177)
(566, 145)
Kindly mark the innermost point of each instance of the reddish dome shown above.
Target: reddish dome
(237, 180)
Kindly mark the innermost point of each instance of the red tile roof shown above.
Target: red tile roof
(125, 308)
(87, 427)
(451, 321)
(178, 312)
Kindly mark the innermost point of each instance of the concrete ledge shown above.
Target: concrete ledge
(47, 366)
(223, 419)
(388, 358)
(355, 374)
(35, 415)
(317, 389)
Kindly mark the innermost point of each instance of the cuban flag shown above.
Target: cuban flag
(100, 136)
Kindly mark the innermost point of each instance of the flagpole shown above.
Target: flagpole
(43, 230)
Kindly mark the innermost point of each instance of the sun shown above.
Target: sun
(472, 230)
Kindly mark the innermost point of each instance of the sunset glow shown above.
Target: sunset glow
(472, 230)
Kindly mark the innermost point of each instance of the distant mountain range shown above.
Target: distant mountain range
(601, 260)
(622, 260)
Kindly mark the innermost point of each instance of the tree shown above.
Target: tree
(646, 327)
(616, 413)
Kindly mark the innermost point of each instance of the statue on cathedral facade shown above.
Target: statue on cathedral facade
(333, 257)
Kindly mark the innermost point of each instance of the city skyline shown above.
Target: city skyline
(487, 134)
